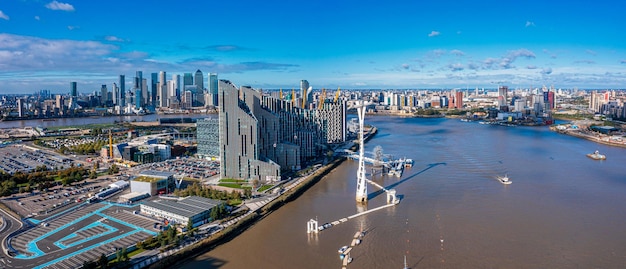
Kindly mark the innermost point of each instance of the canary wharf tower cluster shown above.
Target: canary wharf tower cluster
(261, 135)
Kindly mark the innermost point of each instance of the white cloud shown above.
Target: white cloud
(433, 34)
(623, 61)
(531, 67)
(25, 53)
(37, 18)
(591, 52)
(405, 66)
(3, 16)
(72, 27)
(506, 62)
(456, 67)
(585, 62)
(457, 52)
(529, 23)
(546, 71)
(113, 38)
(55, 5)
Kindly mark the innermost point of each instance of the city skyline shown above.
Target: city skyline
(271, 44)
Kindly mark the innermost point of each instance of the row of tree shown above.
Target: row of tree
(41, 178)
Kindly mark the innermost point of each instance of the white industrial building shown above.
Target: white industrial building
(181, 211)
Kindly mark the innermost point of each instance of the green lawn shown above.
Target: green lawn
(265, 187)
(231, 180)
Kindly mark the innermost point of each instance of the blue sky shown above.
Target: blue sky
(342, 43)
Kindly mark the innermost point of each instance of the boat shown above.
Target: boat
(342, 249)
(408, 163)
(504, 180)
(406, 266)
(596, 156)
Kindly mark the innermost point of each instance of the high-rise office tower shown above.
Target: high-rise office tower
(115, 97)
(199, 80)
(213, 88)
(139, 79)
(144, 92)
(20, 107)
(122, 100)
(154, 88)
(162, 85)
(73, 89)
(104, 94)
(187, 80)
(174, 90)
(502, 93)
(304, 86)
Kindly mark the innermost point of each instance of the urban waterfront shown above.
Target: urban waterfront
(563, 209)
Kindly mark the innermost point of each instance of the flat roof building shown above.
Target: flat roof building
(194, 209)
(153, 182)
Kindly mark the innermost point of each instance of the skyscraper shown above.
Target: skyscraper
(213, 88)
(162, 85)
(115, 97)
(239, 137)
(20, 107)
(199, 80)
(502, 93)
(73, 89)
(175, 90)
(304, 86)
(187, 80)
(154, 88)
(122, 99)
(104, 93)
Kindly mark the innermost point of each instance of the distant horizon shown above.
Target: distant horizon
(355, 44)
(332, 90)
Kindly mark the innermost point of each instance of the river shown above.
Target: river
(563, 210)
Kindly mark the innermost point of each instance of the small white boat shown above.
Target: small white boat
(342, 249)
(596, 156)
(406, 266)
(504, 180)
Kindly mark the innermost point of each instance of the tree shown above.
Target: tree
(103, 261)
(89, 265)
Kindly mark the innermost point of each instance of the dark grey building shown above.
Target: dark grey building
(239, 136)
(208, 137)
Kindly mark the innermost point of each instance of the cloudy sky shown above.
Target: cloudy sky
(346, 43)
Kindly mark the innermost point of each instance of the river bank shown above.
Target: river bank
(242, 225)
(605, 140)
(246, 222)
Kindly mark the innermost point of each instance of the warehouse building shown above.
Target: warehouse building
(194, 209)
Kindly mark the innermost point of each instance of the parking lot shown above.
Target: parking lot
(39, 204)
(188, 167)
(18, 157)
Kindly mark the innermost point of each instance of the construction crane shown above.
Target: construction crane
(337, 94)
(110, 145)
(322, 98)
